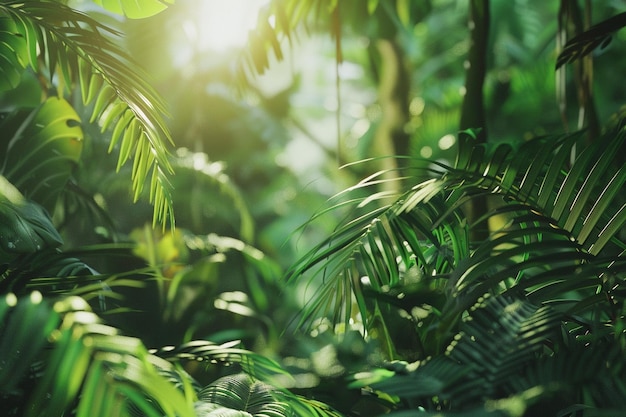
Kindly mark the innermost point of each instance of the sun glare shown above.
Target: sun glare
(220, 25)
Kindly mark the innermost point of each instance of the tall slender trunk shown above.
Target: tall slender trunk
(573, 21)
(393, 94)
(473, 108)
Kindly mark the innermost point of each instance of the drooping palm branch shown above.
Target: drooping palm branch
(90, 368)
(59, 357)
(560, 219)
(286, 20)
(68, 48)
(597, 36)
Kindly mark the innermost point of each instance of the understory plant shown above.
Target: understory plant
(529, 321)
(66, 346)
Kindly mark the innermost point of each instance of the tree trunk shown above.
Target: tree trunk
(473, 108)
(393, 94)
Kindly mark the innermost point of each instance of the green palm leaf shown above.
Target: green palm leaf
(558, 217)
(241, 392)
(88, 366)
(287, 16)
(78, 48)
(257, 366)
(52, 272)
(241, 395)
(507, 357)
(476, 366)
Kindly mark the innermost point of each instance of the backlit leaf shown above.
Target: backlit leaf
(135, 9)
(78, 49)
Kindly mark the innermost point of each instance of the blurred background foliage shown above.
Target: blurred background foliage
(258, 154)
(268, 145)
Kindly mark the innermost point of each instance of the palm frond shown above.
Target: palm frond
(557, 216)
(474, 364)
(32, 271)
(88, 366)
(508, 357)
(280, 21)
(240, 392)
(79, 50)
(309, 407)
(591, 371)
(255, 365)
(599, 35)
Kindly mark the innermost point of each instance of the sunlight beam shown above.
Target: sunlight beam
(221, 25)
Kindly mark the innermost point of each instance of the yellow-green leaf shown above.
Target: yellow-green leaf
(135, 9)
(372, 5)
(403, 8)
(13, 54)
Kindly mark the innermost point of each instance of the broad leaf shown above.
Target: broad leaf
(24, 226)
(13, 54)
(41, 150)
(135, 9)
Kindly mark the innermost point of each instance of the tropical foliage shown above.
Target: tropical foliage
(465, 275)
(58, 356)
(508, 310)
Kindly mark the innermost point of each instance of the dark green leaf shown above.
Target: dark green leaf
(44, 148)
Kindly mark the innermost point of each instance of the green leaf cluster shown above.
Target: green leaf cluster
(66, 48)
(528, 321)
(493, 323)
